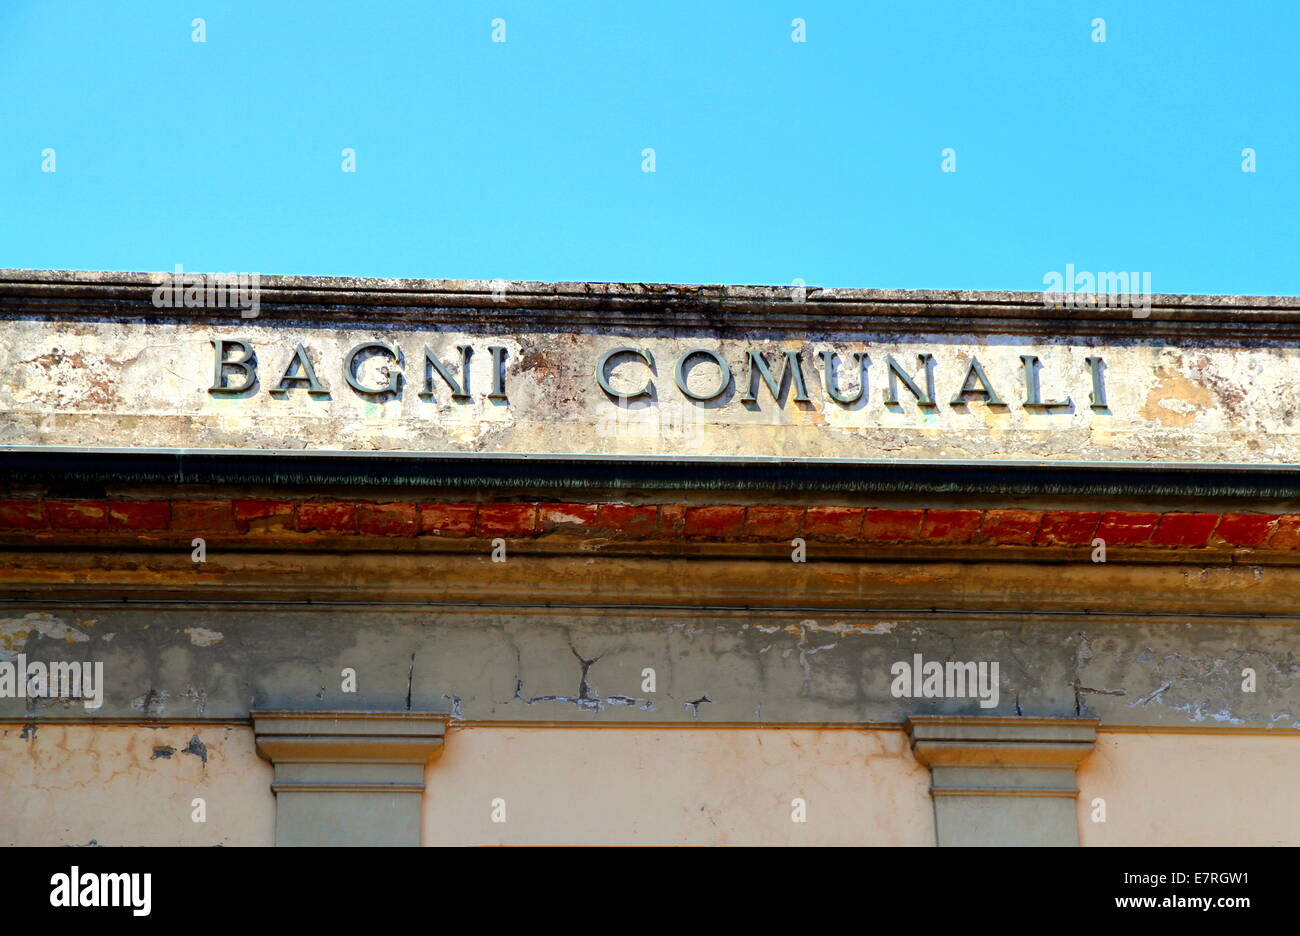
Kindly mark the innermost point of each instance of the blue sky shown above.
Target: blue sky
(774, 160)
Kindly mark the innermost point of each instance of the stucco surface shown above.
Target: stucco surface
(1191, 789)
(74, 784)
(685, 787)
(133, 785)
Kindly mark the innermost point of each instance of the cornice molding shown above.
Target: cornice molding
(1241, 591)
(101, 295)
(349, 737)
(1001, 742)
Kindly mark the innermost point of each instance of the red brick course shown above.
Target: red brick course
(891, 526)
(700, 522)
(1250, 530)
(832, 523)
(507, 520)
(1010, 527)
(950, 526)
(203, 516)
(1067, 528)
(78, 515)
(1184, 529)
(622, 518)
(263, 516)
(774, 523)
(1127, 529)
(388, 519)
(1286, 535)
(566, 516)
(139, 515)
(715, 522)
(327, 518)
(448, 519)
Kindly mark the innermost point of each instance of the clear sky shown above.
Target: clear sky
(774, 160)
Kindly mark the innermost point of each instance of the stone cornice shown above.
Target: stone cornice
(997, 742)
(1246, 591)
(72, 294)
(349, 737)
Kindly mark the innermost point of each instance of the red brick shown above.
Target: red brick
(1184, 529)
(672, 520)
(261, 509)
(624, 518)
(950, 526)
(263, 516)
(891, 526)
(22, 515)
(327, 518)
(77, 515)
(718, 522)
(1119, 528)
(1010, 527)
(1287, 533)
(448, 519)
(388, 519)
(779, 523)
(1238, 529)
(138, 515)
(566, 516)
(202, 516)
(507, 519)
(827, 523)
(1067, 528)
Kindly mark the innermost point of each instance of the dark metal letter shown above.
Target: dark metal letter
(724, 378)
(758, 367)
(602, 373)
(394, 375)
(498, 372)
(896, 373)
(244, 363)
(1032, 397)
(458, 391)
(308, 375)
(975, 370)
(1095, 364)
(828, 377)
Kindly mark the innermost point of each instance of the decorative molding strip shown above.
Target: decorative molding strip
(64, 294)
(389, 470)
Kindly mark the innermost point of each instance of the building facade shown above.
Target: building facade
(298, 560)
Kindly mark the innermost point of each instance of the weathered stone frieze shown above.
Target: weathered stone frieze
(88, 360)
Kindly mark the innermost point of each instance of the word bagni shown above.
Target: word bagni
(628, 373)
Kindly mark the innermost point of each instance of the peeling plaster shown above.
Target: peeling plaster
(203, 637)
(16, 632)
